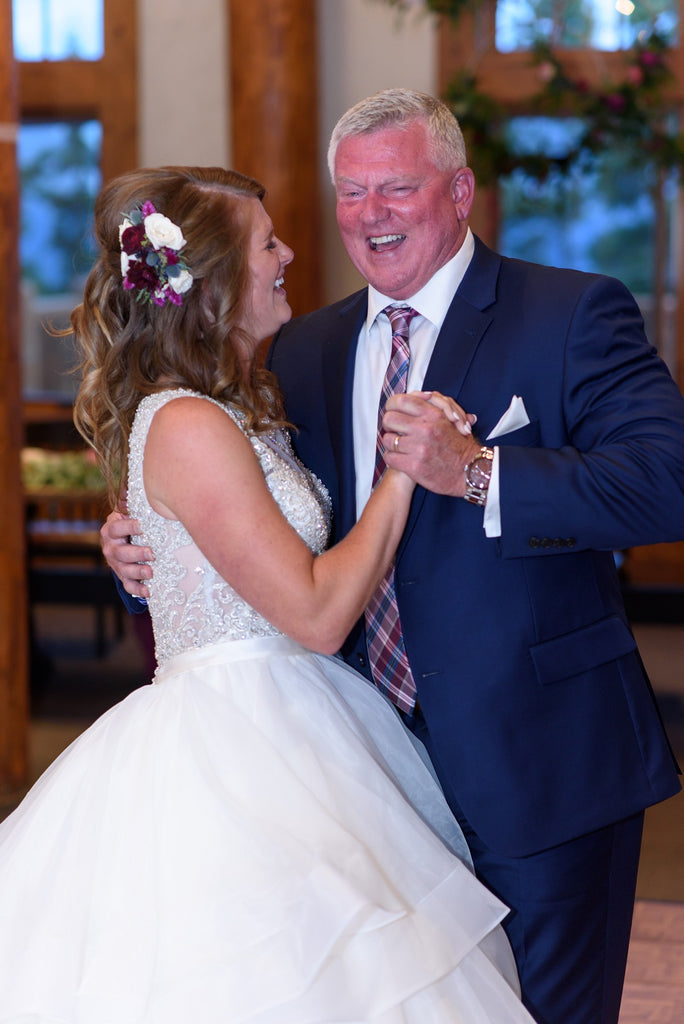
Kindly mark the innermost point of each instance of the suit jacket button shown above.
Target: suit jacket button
(361, 660)
(534, 542)
(547, 542)
(558, 542)
(570, 542)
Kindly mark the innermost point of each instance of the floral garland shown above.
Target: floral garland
(452, 8)
(631, 115)
(150, 260)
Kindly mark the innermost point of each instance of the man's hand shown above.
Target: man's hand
(123, 558)
(435, 440)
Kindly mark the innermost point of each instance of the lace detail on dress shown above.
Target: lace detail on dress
(190, 604)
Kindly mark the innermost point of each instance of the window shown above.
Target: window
(59, 166)
(58, 29)
(603, 216)
(77, 94)
(599, 24)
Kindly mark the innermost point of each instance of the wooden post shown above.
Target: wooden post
(274, 99)
(13, 601)
(118, 89)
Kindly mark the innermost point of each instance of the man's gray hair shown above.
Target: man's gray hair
(399, 108)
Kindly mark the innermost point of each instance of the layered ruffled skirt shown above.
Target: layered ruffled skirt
(239, 842)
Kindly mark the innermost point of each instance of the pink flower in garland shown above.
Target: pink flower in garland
(635, 76)
(649, 59)
(616, 102)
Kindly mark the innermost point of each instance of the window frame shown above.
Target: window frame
(105, 90)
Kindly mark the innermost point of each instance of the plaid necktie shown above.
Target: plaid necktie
(389, 664)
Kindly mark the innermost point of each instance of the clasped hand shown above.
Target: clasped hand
(429, 437)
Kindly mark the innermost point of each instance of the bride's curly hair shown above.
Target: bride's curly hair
(129, 349)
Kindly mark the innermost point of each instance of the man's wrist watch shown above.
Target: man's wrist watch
(478, 473)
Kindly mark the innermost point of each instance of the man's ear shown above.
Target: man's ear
(463, 191)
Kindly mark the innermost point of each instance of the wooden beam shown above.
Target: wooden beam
(71, 86)
(274, 101)
(13, 603)
(119, 89)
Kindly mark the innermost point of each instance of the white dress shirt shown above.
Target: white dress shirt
(373, 355)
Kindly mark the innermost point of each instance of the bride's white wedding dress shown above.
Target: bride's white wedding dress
(237, 841)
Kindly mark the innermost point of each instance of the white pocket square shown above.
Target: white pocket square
(514, 418)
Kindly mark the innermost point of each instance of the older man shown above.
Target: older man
(508, 650)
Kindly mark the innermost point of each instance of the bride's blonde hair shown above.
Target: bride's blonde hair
(129, 349)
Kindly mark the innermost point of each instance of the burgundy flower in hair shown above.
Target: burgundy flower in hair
(151, 263)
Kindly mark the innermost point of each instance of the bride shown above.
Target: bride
(253, 837)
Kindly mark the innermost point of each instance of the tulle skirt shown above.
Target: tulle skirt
(253, 837)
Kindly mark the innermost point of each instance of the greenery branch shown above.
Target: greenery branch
(451, 8)
(632, 115)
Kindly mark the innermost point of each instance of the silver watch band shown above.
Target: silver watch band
(478, 474)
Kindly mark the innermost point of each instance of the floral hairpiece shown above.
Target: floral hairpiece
(150, 260)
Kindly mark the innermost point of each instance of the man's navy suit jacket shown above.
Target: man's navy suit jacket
(528, 675)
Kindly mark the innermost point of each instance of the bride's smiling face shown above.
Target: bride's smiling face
(266, 307)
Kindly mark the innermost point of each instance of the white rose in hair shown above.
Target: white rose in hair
(163, 232)
(181, 282)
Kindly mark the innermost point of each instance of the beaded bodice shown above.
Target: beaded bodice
(190, 604)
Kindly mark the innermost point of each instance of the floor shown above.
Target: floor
(661, 874)
(654, 986)
(71, 685)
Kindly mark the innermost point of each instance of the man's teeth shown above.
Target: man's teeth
(279, 283)
(384, 239)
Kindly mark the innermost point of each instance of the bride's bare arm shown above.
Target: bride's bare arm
(200, 468)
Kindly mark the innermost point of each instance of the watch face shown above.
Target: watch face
(479, 472)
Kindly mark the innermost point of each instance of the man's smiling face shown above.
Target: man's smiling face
(401, 218)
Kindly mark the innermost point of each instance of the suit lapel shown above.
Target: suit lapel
(467, 319)
(338, 382)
